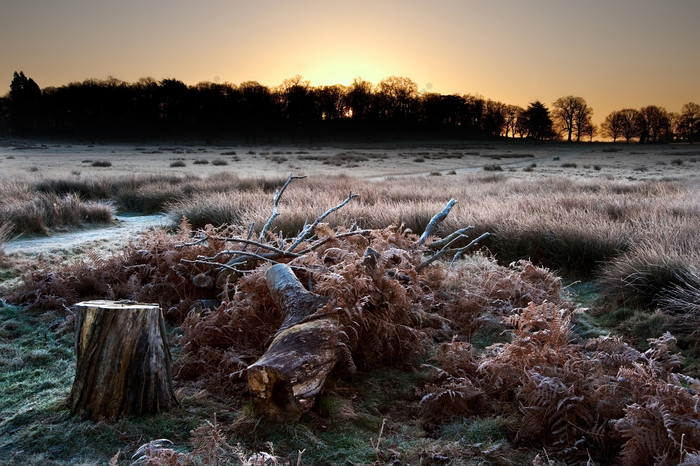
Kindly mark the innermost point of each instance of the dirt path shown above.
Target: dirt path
(124, 229)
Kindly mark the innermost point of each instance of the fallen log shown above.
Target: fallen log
(286, 380)
(123, 364)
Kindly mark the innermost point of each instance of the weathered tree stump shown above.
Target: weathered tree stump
(123, 362)
(286, 380)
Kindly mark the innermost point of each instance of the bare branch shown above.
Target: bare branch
(257, 244)
(462, 250)
(309, 228)
(437, 218)
(212, 264)
(449, 239)
(275, 202)
(201, 240)
(446, 250)
(323, 241)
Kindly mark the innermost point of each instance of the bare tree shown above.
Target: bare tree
(571, 115)
(331, 100)
(613, 126)
(360, 99)
(629, 119)
(398, 97)
(511, 114)
(654, 124)
(589, 130)
(583, 123)
(688, 126)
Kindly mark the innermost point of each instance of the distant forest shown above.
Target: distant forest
(298, 112)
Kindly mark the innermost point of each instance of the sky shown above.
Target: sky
(613, 53)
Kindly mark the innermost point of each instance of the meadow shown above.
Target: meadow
(593, 258)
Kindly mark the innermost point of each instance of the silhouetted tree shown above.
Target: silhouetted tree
(442, 111)
(150, 108)
(688, 126)
(654, 124)
(613, 126)
(360, 99)
(589, 130)
(214, 108)
(24, 100)
(397, 99)
(539, 123)
(297, 101)
(494, 118)
(521, 123)
(629, 119)
(331, 102)
(571, 115)
(256, 108)
(512, 112)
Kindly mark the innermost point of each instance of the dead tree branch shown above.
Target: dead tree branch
(306, 231)
(437, 218)
(458, 252)
(275, 202)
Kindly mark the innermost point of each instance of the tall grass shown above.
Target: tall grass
(39, 212)
(639, 238)
(634, 235)
(6, 229)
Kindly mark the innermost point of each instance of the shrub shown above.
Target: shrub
(219, 162)
(177, 164)
(101, 163)
(86, 188)
(568, 165)
(652, 272)
(46, 211)
(493, 168)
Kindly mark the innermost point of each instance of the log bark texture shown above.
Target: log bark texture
(123, 362)
(286, 380)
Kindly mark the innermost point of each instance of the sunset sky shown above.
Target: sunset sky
(613, 53)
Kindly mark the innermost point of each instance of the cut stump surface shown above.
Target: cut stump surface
(123, 364)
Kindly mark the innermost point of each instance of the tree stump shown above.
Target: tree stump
(123, 362)
(286, 380)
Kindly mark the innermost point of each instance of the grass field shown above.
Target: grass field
(620, 227)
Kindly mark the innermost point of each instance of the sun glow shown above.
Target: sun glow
(328, 69)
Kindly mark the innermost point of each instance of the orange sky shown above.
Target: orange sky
(613, 53)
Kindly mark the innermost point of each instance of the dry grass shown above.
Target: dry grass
(6, 229)
(598, 397)
(562, 224)
(39, 212)
(636, 236)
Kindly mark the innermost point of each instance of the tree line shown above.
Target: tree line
(148, 108)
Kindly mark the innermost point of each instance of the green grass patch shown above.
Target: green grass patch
(37, 366)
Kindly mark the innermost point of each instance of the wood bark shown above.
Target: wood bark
(123, 362)
(286, 380)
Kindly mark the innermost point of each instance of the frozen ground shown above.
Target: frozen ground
(101, 237)
(46, 159)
